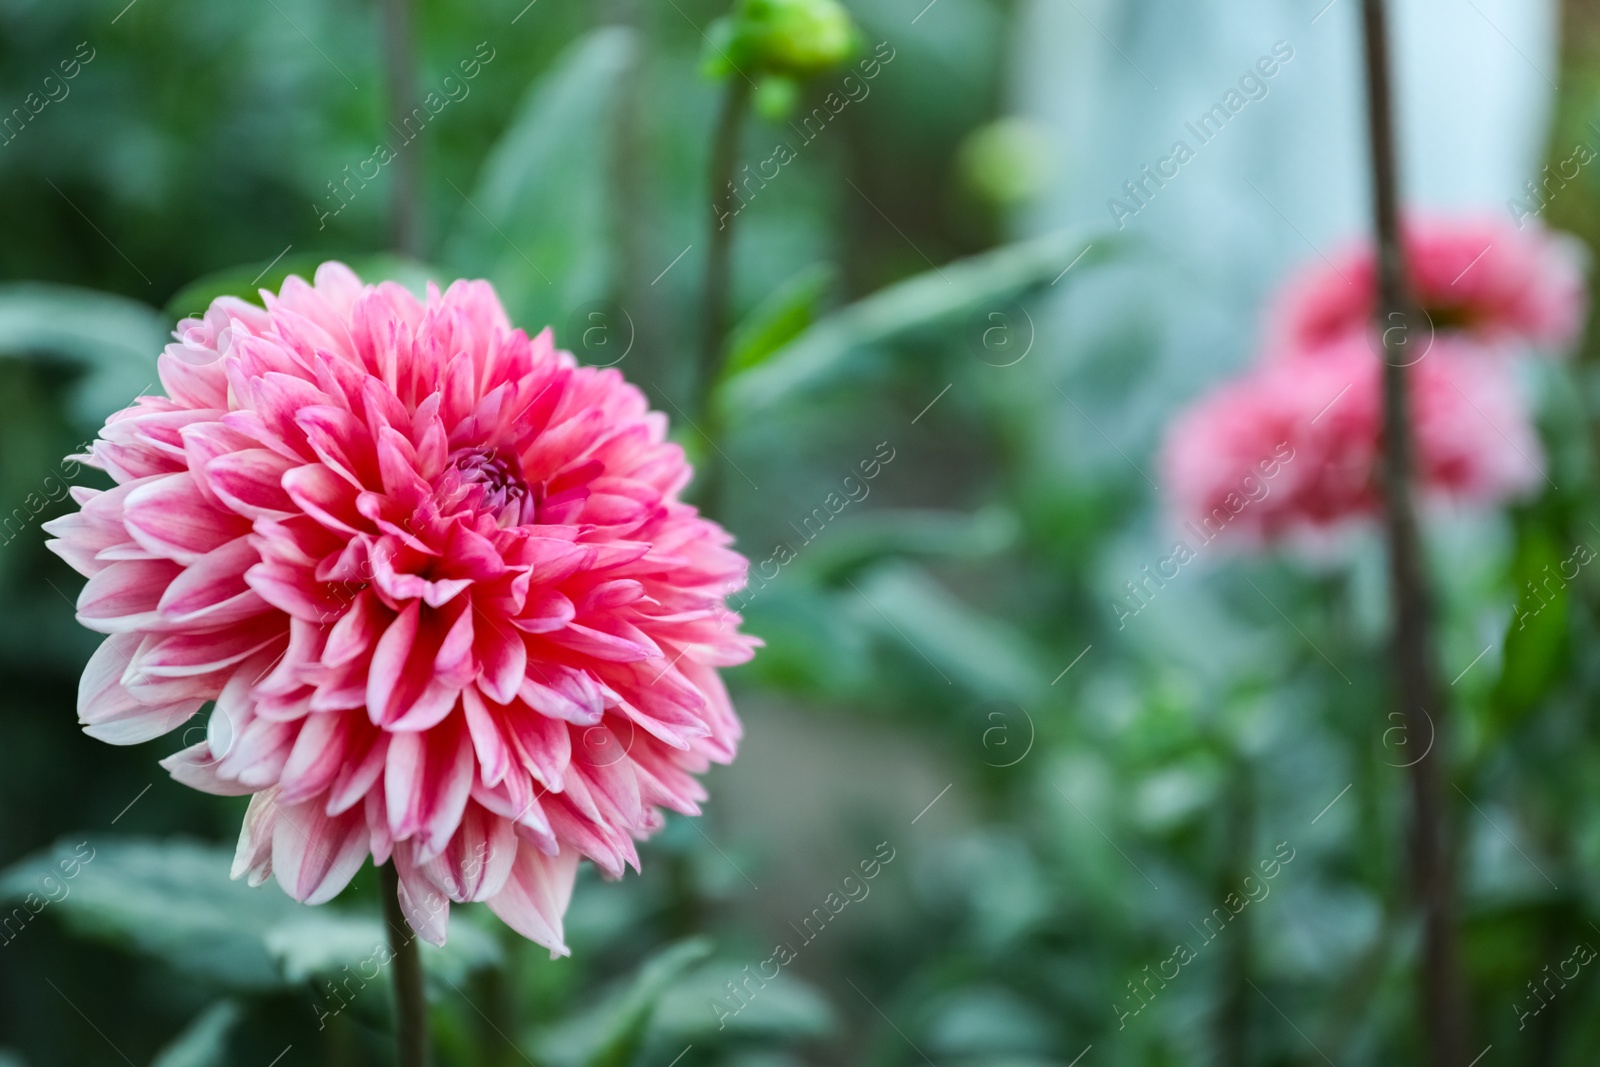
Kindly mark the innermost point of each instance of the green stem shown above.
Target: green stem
(1421, 697)
(718, 280)
(399, 59)
(411, 1006)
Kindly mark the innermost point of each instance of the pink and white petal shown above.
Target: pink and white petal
(196, 768)
(314, 855)
(477, 861)
(535, 897)
(125, 595)
(253, 856)
(171, 518)
(425, 906)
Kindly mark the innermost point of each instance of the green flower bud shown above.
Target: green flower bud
(1008, 162)
(792, 38)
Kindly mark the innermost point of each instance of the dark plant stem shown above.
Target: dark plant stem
(1421, 697)
(1233, 1013)
(410, 1006)
(718, 278)
(631, 195)
(399, 61)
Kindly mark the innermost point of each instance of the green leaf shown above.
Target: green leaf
(959, 644)
(610, 1034)
(632, 1015)
(785, 1008)
(169, 899)
(954, 290)
(116, 340)
(316, 941)
(204, 1042)
(174, 900)
(537, 222)
(779, 319)
(1536, 637)
(875, 535)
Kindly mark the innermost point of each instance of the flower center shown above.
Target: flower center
(487, 480)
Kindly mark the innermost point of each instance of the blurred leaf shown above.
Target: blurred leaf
(780, 318)
(170, 899)
(174, 900)
(610, 1034)
(812, 646)
(985, 1021)
(874, 535)
(244, 281)
(322, 941)
(786, 1007)
(632, 1016)
(116, 340)
(954, 290)
(1536, 636)
(247, 280)
(537, 221)
(204, 1042)
(957, 641)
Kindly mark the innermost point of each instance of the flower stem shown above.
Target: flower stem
(411, 1007)
(1421, 697)
(718, 281)
(719, 245)
(399, 56)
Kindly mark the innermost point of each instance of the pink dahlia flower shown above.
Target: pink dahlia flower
(1503, 286)
(437, 579)
(1292, 448)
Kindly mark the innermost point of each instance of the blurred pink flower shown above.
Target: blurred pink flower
(438, 581)
(1482, 277)
(1291, 448)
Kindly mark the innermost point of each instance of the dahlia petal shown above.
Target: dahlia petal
(170, 517)
(503, 662)
(494, 755)
(601, 645)
(253, 856)
(361, 769)
(212, 590)
(325, 497)
(544, 611)
(109, 712)
(425, 906)
(427, 780)
(536, 895)
(317, 757)
(250, 482)
(196, 768)
(314, 854)
(124, 596)
(182, 654)
(478, 859)
(543, 745)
